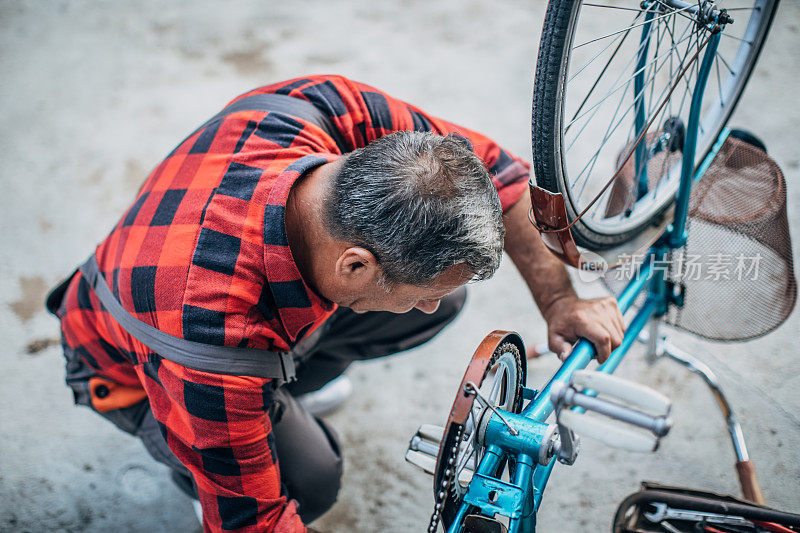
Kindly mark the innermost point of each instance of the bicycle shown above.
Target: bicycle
(622, 134)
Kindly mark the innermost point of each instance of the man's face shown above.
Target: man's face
(401, 297)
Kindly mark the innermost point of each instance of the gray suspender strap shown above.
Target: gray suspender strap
(288, 105)
(206, 357)
(194, 355)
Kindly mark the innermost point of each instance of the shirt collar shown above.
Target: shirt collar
(298, 305)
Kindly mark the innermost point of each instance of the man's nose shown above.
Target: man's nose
(428, 307)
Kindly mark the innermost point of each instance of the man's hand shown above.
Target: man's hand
(568, 317)
(599, 321)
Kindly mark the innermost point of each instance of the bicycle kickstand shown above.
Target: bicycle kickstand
(659, 346)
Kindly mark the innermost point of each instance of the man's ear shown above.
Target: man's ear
(357, 266)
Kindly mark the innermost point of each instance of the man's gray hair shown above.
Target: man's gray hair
(421, 203)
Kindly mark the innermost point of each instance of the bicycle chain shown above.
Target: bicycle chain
(447, 481)
(447, 484)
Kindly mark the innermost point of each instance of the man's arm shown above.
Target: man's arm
(568, 317)
(363, 113)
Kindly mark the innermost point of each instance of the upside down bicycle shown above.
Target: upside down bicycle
(630, 104)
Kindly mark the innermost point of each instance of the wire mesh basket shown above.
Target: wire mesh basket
(736, 271)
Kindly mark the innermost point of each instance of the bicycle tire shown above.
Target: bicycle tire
(547, 124)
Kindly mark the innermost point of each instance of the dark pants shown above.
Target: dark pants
(307, 447)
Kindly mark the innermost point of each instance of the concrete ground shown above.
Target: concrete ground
(95, 93)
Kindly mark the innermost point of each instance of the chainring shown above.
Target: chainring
(495, 345)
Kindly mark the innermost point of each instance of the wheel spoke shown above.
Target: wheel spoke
(605, 138)
(654, 19)
(679, 12)
(597, 153)
(612, 7)
(607, 134)
(624, 84)
(612, 127)
(736, 38)
(727, 66)
(610, 59)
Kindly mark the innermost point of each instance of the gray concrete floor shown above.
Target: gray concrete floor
(95, 93)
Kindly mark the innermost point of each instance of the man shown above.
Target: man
(319, 217)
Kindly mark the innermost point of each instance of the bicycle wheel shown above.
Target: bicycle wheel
(604, 72)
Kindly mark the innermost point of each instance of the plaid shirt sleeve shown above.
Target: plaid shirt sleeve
(363, 113)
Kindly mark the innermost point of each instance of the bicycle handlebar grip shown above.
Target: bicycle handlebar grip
(749, 482)
(627, 391)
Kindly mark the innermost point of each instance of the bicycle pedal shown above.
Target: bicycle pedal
(635, 395)
(607, 408)
(424, 447)
(610, 433)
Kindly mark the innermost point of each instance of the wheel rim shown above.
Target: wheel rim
(596, 118)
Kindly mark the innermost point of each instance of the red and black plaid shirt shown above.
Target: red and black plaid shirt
(202, 254)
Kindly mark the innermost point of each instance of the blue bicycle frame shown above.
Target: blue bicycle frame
(519, 499)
